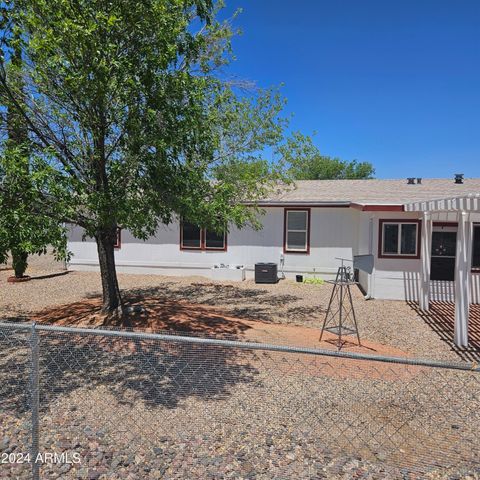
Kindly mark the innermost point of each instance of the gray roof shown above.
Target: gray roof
(373, 192)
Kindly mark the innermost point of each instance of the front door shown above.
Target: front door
(444, 246)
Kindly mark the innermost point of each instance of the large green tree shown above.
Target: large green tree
(24, 229)
(135, 121)
(307, 163)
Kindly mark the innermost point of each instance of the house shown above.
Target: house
(422, 233)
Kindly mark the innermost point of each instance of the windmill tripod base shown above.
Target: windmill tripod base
(340, 318)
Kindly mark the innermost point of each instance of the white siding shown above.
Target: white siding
(394, 278)
(365, 225)
(333, 233)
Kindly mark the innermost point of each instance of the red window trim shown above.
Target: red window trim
(396, 220)
(302, 209)
(214, 249)
(190, 248)
(118, 242)
(203, 244)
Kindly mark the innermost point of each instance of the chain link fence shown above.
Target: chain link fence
(107, 404)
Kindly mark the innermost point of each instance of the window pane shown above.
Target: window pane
(444, 244)
(409, 239)
(190, 235)
(296, 220)
(390, 238)
(296, 241)
(214, 240)
(476, 247)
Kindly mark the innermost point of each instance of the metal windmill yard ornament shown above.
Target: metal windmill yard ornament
(340, 318)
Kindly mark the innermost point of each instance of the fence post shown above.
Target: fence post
(35, 393)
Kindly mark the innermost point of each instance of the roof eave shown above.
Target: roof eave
(300, 203)
(378, 207)
(371, 207)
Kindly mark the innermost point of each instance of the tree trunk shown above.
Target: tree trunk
(19, 262)
(112, 300)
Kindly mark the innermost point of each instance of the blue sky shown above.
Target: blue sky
(395, 83)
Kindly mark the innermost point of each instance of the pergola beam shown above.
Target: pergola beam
(468, 203)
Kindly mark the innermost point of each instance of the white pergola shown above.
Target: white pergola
(464, 210)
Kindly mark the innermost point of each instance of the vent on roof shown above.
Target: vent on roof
(411, 181)
(459, 178)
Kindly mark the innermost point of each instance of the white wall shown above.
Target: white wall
(394, 278)
(333, 233)
(364, 246)
(399, 279)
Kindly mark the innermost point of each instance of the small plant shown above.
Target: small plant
(314, 281)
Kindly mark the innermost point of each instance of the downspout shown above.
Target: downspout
(282, 266)
(65, 263)
(369, 294)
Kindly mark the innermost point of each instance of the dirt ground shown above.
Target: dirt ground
(286, 313)
(175, 409)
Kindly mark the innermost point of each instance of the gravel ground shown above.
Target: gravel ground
(142, 411)
(386, 322)
(174, 411)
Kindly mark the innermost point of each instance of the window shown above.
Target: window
(297, 231)
(214, 241)
(399, 239)
(476, 247)
(193, 237)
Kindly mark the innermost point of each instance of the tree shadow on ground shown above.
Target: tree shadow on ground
(156, 372)
(49, 275)
(154, 314)
(15, 370)
(160, 374)
(441, 319)
(304, 314)
(245, 303)
(17, 317)
(212, 309)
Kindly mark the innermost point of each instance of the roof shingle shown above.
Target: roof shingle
(376, 191)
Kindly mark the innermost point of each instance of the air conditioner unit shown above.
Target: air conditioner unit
(266, 273)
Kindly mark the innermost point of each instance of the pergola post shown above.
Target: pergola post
(464, 206)
(462, 279)
(426, 248)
